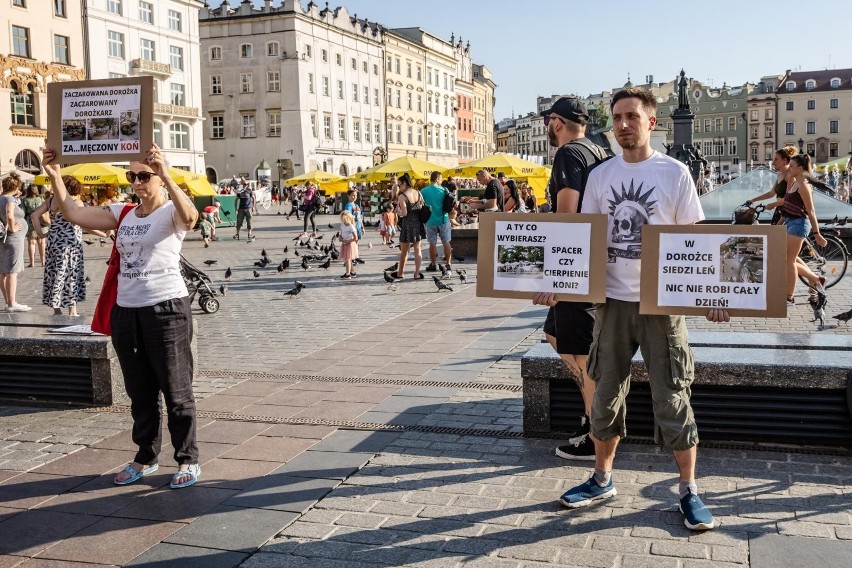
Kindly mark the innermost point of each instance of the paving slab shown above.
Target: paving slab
(356, 441)
(325, 464)
(233, 528)
(777, 551)
(283, 492)
(166, 555)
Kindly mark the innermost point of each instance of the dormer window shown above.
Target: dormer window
(810, 85)
(791, 85)
(835, 83)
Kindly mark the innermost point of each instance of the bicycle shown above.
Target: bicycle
(829, 261)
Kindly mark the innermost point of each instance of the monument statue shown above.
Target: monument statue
(682, 99)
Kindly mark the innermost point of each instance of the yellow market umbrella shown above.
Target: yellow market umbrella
(329, 182)
(196, 184)
(418, 169)
(510, 165)
(90, 174)
(825, 167)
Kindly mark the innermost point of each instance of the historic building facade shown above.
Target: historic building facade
(405, 96)
(157, 38)
(484, 143)
(41, 42)
(815, 112)
(464, 100)
(296, 88)
(762, 121)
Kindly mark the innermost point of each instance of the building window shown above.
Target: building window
(272, 49)
(696, 124)
(246, 83)
(769, 133)
(340, 90)
(114, 7)
(367, 134)
(429, 106)
(429, 75)
(245, 50)
(314, 125)
(707, 125)
(833, 126)
(378, 132)
(833, 103)
(338, 59)
(179, 136)
(753, 154)
(341, 128)
(59, 8)
(390, 96)
(178, 93)
(326, 126)
(732, 123)
(325, 87)
(23, 111)
(20, 41)
(324, 54)
(732, 146)
(354, 93)
(366, 67)
(788, 129)
(398, 98)
(410, 101)
(419, 136)
(390, 133)
(354, 63)
(273, 121)
(419, 73)
(811, 105)
(791, 85)
(835, 83)
(399, 134)
(366, 99)
(158, 134)
(375, 69)
(419, 103)
(390, 63)
(832, 150)
(217, 123)
(60, 50)
(175, 21)
(408, 69)
(248, 130)
(147, 50)
(789, 105)
(810, 85)
(215, 53)
(768, 114)
(376, 97)
(754, 132)
(755, 114)
(176, 57)
(115, 44)
(810, 149)
(356, 130)
(717, 124)
(310, 82)
(273, 81)
(308, 50)
(116, 75)
(410, 135)
(215, 84)
(397, 66)
(146, 13)
(811, 128)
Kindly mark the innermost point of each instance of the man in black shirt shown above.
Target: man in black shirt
(492, 199)
(569, 325)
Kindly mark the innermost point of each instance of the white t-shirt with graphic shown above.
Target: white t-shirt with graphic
(656, 191)
(150, 254)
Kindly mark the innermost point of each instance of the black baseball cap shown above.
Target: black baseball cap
(569, 108)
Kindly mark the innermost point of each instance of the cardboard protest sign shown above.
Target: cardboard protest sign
(105, 120)
(690, 269)
(520, 255)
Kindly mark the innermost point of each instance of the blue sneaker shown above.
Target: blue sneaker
(696, 516)
(587, 492)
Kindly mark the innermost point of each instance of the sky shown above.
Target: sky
(545, 47)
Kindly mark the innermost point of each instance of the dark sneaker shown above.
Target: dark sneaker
(581, 448)
(587, 492)
(431, 268)
(584, 428)
(695, 515)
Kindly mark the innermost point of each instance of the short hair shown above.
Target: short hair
(11, 183)
(786, 153)
(649, 103)
(433, 177)
(73, 185)
(483, 172)
(32, 191)
(803, 161)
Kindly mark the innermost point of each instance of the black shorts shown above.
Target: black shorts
(571, 323)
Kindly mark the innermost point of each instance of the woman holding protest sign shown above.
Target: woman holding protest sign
(151, 320)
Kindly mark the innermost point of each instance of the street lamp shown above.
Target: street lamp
(801, 144)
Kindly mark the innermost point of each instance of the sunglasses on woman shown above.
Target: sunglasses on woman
(143, 177)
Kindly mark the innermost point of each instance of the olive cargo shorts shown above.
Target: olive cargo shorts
(663, 341)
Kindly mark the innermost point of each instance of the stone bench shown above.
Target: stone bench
(465, 240)
(38, 367)
(758, 387)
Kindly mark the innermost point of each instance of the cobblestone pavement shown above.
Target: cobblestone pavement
(359, 426)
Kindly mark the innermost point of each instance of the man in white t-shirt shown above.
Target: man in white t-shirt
(637, 188)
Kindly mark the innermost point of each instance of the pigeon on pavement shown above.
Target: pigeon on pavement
(844, 317)
(228, 273)
(462, 276)
(441, 285)
(294, 291)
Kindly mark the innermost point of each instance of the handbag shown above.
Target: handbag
(109, 291)
(425, 212)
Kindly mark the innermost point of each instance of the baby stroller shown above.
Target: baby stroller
(197, 282)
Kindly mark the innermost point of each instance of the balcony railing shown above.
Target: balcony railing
(151, 66)
(176, 110)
